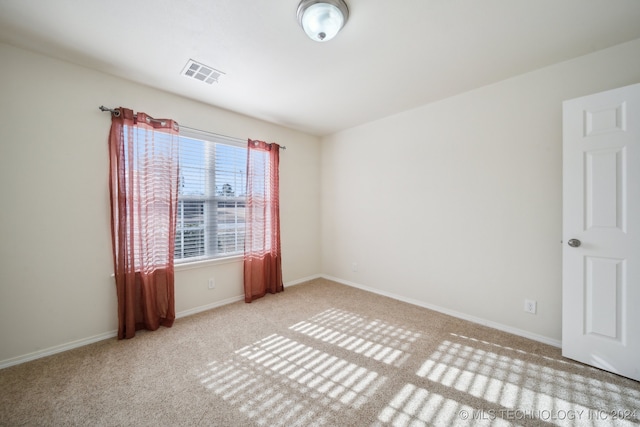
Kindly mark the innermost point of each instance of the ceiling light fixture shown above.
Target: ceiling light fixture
(322, 19)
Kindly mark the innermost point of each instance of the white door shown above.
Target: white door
(601, 231)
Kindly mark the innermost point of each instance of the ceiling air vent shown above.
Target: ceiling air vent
(204, 73)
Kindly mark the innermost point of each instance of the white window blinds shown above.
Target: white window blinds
(211, 199)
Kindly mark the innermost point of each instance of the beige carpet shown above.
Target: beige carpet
(319, 354)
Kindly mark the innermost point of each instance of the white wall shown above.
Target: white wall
(55, 247)
(457, 204)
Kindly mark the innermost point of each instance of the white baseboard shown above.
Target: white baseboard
(104, 336)
(303, 280)
(56, 349)
(237, 298)
(453, 313)
(206, 307)
(112, 334)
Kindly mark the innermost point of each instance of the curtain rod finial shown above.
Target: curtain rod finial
(116, 113)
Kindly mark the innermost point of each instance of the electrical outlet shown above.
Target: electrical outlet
(530, 306)
(354, 267)
(212, 283)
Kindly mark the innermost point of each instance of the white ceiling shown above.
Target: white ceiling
(391, 56)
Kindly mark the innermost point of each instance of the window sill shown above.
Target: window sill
(204, 263)
(207, 263)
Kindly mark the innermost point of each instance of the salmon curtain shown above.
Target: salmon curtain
(262, 253)
(143, 178)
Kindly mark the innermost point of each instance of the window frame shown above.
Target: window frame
(211, 206)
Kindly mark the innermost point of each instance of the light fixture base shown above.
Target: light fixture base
(321, 20)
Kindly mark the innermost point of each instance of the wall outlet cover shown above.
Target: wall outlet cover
(530, 306)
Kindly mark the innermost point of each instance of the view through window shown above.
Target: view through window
(212, 197)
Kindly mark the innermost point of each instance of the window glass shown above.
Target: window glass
(211, 199)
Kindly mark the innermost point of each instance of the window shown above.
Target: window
(211, 198)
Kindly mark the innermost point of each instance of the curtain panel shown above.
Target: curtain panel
(143, 183)
(262, 253)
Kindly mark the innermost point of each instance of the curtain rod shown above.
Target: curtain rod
(117, 114)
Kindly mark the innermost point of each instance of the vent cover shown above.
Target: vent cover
(204, 73)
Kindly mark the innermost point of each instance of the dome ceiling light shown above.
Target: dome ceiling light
(322, 19)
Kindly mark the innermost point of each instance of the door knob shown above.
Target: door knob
(574, 243)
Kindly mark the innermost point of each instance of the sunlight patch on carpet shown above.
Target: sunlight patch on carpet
(504, 377)
(371, 338)
(415, 406)
(280, 382)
